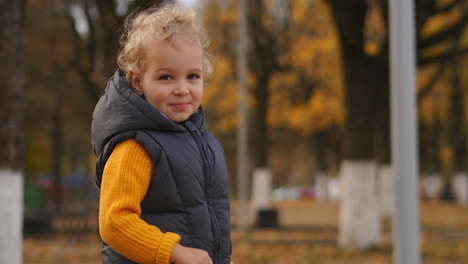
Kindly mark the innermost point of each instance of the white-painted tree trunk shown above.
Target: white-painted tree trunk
(359, 224)
(261, 189)
(432, 185)
(321, 186)
(11, 216)
(386, 185)
(460, 187)
(334, 188)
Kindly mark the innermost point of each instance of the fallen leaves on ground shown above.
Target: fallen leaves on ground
(308, 235)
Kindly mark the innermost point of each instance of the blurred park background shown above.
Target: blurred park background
(318, 108)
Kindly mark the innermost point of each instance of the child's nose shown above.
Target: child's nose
(182, 89)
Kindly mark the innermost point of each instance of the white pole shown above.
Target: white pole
(404, 137)
(242, 155)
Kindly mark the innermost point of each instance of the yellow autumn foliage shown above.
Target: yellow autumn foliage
(313, 53)
(307, 97)
(426, 110)
(374, 30)
(435, 49)
(442, 92)
(320, 112)
(441, 21)
(220, 95)
(446, 155)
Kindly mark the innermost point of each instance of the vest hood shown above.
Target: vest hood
(120, 109)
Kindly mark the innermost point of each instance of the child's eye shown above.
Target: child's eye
(165, 77)
(193, 76)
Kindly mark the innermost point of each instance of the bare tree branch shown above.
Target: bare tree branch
(425, 9)
(428, 87)
(448, 7)
(76, 62)
(110, 23)
(143, 4)
(442, 57)
(92, 35)
(444, 34)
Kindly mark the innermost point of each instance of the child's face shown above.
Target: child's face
(172, 78)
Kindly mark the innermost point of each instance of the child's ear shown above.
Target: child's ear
(136, 82)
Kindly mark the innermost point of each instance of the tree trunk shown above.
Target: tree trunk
(429, 145)
(100, 48)
(56, 142)
(11, 138)
(324, 158)
(458, 133)
(110, 23)
(430, 167)
(381, 113)
(381, 128)
(260, 119)
(359, 221)
(263, 62)
(440, 134)
(458, 136)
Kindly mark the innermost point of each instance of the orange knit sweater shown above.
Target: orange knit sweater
(125, 180)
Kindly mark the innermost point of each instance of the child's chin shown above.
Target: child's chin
(179, 118)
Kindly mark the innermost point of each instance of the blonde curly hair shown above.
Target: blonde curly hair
(164, 23)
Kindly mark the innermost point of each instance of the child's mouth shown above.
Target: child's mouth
(180, 106)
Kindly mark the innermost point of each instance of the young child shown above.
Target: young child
(162, 175)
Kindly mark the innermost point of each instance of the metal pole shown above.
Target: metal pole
(404, 137)
(242, 155)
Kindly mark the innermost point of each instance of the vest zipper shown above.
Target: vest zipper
(206, 167)
(207, 170)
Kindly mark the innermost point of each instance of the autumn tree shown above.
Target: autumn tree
(96, 50)
(367, 91)
(290, 52)
(11, 137)
(300, 90)
(312, 84)
(220, 96)
(67, 64)
(264, 51)
(458, 132)
(58, 110)
(456, 124)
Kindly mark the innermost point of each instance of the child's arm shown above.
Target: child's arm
(124, 184)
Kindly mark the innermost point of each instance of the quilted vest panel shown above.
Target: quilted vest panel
(188, 191)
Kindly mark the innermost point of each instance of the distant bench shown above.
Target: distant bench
(38, 222)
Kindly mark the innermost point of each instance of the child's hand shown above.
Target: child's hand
(186, 255)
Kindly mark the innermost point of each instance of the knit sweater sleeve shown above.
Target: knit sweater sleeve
(125, 181)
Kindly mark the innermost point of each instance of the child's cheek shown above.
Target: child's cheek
(160, 101)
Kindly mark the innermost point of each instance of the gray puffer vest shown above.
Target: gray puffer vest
(188, 191)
